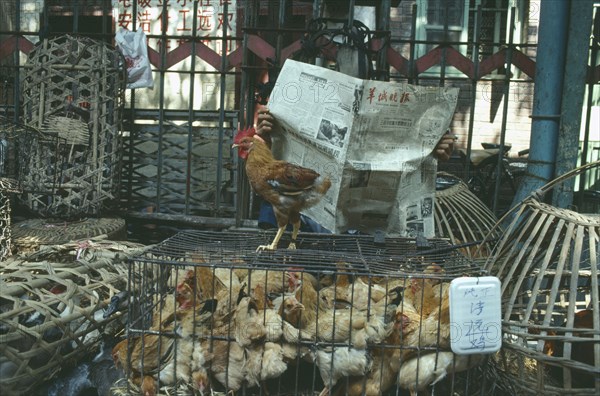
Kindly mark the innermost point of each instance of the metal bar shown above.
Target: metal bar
(445, 46)
(223, 83)
(572, 98)
(240, 197)
(351, 13)
(183, 114)
(413, 78)
(550, 61)
(317, 8)
(474, 81)
(281, 22)
(17, 81)
(76, 17)
(199, 221)
(190, 131)
(161, 104)
(499, 164)
(590, 102)
(132, 128)
(384, 24)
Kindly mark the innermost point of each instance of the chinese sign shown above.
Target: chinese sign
(186, 26)
(475, 315)
(178, 18)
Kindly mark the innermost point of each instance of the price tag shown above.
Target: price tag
(475, 315)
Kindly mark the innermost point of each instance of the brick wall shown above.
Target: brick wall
(488, 93)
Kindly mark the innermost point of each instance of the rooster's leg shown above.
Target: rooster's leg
(295, 231)
(273, 244)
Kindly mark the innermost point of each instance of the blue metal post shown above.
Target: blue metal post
(580, 29)
(550, 65)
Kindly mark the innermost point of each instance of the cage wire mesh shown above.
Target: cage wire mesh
(548, 263)
(343, 314)
(73, 89)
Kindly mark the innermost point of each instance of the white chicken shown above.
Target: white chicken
(339, 362)
(420, 372)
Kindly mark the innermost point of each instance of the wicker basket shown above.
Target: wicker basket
(29, 235)
(6, 186)
(73, 91)
(52, 308)
(463, 218)
(548, 263)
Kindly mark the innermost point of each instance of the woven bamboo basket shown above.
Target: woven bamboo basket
(29, 235)
(73, 91)
(548, 263)
(6, 187)
(52, 308)
(463, 218)
(11, 166)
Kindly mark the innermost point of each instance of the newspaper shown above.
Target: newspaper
(373, 139)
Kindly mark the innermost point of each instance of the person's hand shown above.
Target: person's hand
(445, 147)
(264, 121)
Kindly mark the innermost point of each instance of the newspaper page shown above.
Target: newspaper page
(373, 139)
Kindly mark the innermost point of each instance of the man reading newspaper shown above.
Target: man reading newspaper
(377, 141)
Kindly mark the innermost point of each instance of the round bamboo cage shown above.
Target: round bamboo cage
(29, 235)
(52, 308)
(463, 218)
(73, 91)
(548, 263)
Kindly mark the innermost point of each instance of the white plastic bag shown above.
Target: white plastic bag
(134, 48)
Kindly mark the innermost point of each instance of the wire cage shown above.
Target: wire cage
(73, 90)
(463, 218)
(52, 308)
(341, 314)
(548, 263)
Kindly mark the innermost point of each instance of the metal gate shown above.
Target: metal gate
(223, 54)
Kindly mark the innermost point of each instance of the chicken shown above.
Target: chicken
(424, 331)
(189, 359)
(264, 362)
(248, 326)
(227, 362)
(148, 353)
(264, 283)
(251, 358)
(360, 294)
(148, 386)
(385, 364)
(289, 188)
(422, 371)
(290, 310)
(349, 326)
(311, 304)
(339, 362)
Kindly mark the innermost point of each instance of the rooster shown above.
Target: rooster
(289, 188)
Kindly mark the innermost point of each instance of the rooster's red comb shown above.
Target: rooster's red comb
(242, 133)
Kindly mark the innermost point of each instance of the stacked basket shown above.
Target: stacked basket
(548, 263)
(73, 91)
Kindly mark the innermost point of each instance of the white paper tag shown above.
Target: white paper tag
(475, 315)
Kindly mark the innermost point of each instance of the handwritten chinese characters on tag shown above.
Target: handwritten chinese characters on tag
(475, 315)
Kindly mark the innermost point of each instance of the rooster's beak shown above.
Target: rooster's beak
(234, 145)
